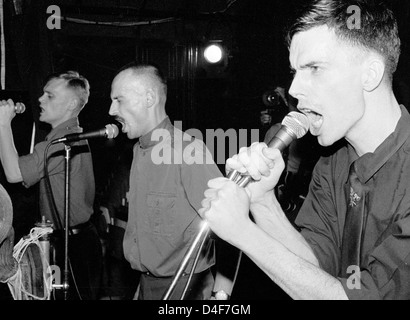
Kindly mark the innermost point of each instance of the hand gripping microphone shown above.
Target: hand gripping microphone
(294, 126)
(110, 131)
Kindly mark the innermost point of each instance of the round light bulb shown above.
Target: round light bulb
(213, 53)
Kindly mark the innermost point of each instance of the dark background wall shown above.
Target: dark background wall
(95, 40)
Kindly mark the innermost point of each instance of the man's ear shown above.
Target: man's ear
(373, 73)
(151, 97)
(73, 104)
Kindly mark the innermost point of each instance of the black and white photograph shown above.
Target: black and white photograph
(218, 152)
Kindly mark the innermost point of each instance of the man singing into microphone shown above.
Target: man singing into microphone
(164, 196)
(65, 95)
(355, 223)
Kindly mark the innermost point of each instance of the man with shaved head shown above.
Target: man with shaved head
(165, 191)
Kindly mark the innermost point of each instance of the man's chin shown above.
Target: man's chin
(325, 141)
(130, 135)
(44, 120)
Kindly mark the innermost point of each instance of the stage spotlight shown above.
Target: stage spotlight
(214, 53)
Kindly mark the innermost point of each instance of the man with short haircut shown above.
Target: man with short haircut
(65, 95)
(354, 241)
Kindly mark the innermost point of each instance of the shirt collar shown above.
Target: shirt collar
(368, 164)
(62, 128)
(146, 140)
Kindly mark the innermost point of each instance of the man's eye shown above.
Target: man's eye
(314, 68)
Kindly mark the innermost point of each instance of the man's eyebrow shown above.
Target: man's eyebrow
(311, 64)
(307, 65)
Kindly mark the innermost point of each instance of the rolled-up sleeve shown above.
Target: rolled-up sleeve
(32, 165)
(195, 176)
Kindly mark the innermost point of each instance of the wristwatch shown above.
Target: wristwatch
(220, 295)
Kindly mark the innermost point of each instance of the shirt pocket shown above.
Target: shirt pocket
(162, 214)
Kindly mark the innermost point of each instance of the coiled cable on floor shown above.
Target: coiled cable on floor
(26, 282)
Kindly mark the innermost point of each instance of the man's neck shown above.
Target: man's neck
(382, 113)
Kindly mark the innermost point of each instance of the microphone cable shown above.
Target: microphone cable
(49, 190)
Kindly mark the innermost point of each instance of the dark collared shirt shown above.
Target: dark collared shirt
(167, 183)
(82, 185)
(385, 254)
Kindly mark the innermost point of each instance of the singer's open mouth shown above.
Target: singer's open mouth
(121, 122)
(315, 119)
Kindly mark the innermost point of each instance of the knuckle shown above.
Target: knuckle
(243, 150)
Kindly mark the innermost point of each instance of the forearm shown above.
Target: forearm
(9, 156)
(296, 276)
(270, 217)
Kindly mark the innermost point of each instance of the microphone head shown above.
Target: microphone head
(19, 107)
(296, 122)
(111, 130)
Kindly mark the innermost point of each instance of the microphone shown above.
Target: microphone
(294, 126)
(19, 107)
(110, 131)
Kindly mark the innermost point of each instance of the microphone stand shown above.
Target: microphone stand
(240, 180)
(65, 285)
(67, 149)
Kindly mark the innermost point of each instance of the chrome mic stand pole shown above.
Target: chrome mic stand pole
(240, 180)
(66, 217)
(65, 285)
(203, 232)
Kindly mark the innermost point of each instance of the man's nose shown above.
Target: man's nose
(295, 89)
(113, 109)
